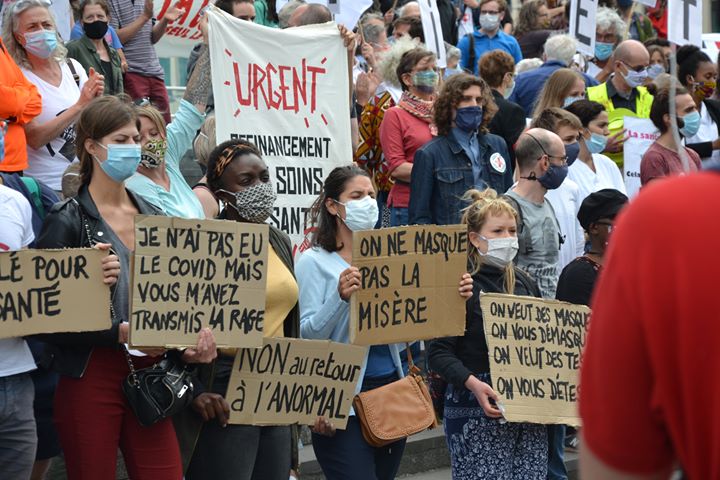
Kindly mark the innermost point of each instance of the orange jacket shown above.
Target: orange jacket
(20, 102)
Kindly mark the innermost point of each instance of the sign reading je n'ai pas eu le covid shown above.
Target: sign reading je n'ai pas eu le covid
(286, 91)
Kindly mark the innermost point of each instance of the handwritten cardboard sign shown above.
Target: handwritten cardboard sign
(51, 291)
(294, 381)
(410, 278)
(191, 274)
(535, 348)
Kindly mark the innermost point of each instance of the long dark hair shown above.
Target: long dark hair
(318, 218)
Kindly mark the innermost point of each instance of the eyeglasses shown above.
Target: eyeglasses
(638, 69)
(21, 5)
(564, 157)
(142, 102)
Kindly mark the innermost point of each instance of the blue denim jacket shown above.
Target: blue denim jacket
(442, 172)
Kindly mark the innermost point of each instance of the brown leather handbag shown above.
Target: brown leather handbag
(396, 410)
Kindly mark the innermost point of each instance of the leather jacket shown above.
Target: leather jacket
(68, 353)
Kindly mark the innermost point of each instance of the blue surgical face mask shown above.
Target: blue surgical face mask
(596, 143)
(468, 119)
(360, 214)
(41, 43)
(572, 150)
(554, 177)
(692, 124)
(122, 160)
(603, 50)
(570, 100)
(654, 70)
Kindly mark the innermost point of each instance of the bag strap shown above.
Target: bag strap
(75, 75)
(412, 369)
(34, 188)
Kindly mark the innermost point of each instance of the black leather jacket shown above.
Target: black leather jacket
(68, 353)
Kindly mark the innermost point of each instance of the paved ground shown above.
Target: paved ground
(441, 474)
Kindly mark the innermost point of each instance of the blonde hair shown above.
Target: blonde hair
(10, 25)
(387, 66)
(154, 115)
(556, 89)
(205, 140)
(482, 205)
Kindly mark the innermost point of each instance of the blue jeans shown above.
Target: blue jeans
(556, 453)
(18, 438)
(398, 216)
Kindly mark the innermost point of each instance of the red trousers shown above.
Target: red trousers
(153, 88)
(93, 419)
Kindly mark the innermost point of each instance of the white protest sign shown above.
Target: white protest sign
(430, 17)
(686, 24)
(286, 91)
(346, 12)
(711, 45)
(465, 26)
(641, 133)
(182, 34)
(582, 25)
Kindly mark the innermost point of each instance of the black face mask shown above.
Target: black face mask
(95, 30)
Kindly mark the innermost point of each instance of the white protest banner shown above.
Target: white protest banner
(290, 380)
(182, 34)
(286, 91)
(711, 45)
(582, 25)
(409, 286)
(684, 22)
(192, 274)
(50, 291)
(535, 349)
(345, 12)
(641, 133)
(430, 16)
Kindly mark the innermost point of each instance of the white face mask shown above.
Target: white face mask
(500, 251)
(360, 214)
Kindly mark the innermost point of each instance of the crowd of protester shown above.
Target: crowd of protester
(520, 138)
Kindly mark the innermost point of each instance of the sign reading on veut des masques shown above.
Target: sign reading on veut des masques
(294, 381)
(535, 348)
(191, 274)
(50, 291)
(410, 279)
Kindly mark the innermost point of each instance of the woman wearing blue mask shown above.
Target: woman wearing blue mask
(32, 40)
(481, 444)
(663, 158)
(593, 171)
(92, 415)
(327, 280)
(239, 177)
(408, 126)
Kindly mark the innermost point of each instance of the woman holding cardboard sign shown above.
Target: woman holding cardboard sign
(480, 444)
(238, 176)
(92, 415)
(327, 280)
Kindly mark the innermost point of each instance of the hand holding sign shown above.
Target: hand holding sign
(110, 265)
(483, 393)
(205, 351)
(148, 10)
(466, 286)
(349, 282)
(349, 38)
(615, 142)
(323, 426)
(211, 406)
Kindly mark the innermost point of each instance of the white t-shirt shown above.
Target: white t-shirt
(48, 163)
(566, 201)
(606, 175)
(15, 233)
(708, 132)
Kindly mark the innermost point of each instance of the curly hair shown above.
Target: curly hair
(452, 93)
(529, 18)
(494, 65)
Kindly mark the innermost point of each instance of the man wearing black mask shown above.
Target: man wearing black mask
(464, 155)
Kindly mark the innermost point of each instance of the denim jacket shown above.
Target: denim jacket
(442, 172)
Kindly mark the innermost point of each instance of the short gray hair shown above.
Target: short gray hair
(287, 10)
(560, 47)
(401, 10)
(452, 52)
(608, 19)
(10, 25)
(372, 32)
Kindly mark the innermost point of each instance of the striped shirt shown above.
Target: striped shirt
(139, 50)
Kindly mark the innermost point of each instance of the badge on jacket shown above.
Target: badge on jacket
(498, 163)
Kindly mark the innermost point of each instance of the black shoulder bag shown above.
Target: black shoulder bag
(155, 392)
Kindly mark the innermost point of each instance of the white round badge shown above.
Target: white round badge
(498, 163)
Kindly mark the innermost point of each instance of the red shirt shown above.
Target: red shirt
(660, 161)
(649, 379)
(401, 134)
